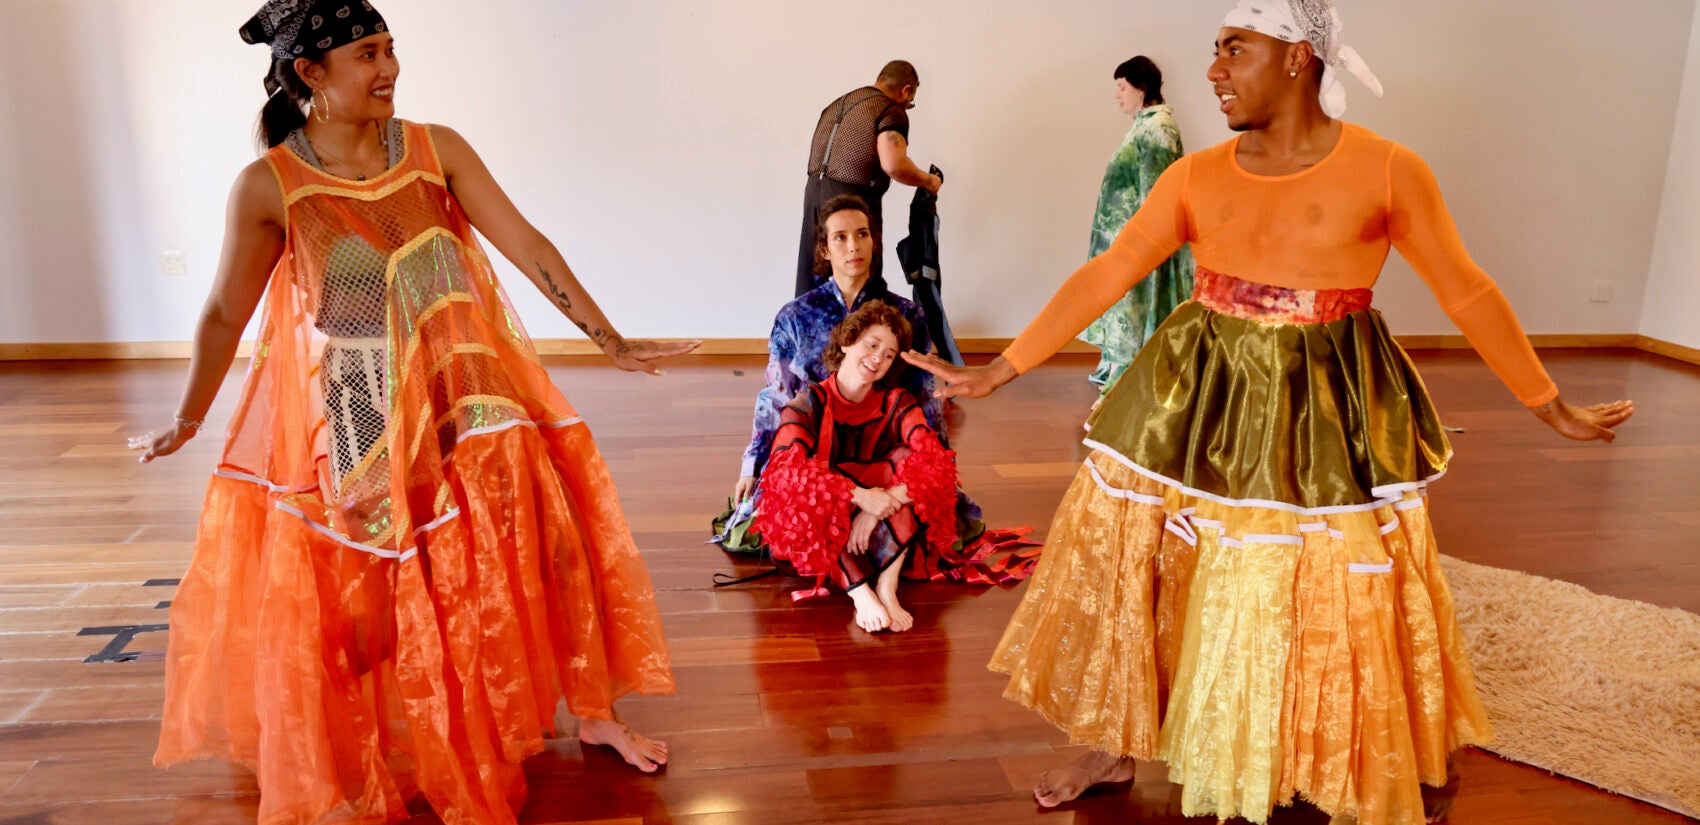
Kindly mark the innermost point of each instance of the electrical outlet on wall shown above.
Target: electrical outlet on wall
(172, 262)
(1601, 293)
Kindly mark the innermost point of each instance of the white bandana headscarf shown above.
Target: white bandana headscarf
(1315, 21)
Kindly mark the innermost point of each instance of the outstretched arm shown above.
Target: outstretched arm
(253, 242)
(490, 210)
(1154, 233)
(1422, 229)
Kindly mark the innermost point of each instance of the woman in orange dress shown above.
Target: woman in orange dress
(411, 551)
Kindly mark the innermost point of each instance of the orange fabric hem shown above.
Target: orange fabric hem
(350, 682)
(1264, 656)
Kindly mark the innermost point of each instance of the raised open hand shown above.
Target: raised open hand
(969, 382)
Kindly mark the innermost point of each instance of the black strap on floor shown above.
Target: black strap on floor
(727, 580)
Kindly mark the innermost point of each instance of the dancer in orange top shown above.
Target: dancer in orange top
(411, 551)
(1242, 580)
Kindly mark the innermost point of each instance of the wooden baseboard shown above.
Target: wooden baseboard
(570, 347)
(578, 347)
(1540, 341)
(106, 351)
(1667, 349)
(142, 350)
(758, 346)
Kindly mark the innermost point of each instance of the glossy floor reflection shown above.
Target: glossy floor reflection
(785, 714)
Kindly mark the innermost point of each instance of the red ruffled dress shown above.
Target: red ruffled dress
(825, 448)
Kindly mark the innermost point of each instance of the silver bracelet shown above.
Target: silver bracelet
(184, 422)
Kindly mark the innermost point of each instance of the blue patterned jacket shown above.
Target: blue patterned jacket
(801, 331)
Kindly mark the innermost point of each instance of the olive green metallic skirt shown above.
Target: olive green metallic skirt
(1304, 417)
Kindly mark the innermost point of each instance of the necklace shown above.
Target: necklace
(358, 175)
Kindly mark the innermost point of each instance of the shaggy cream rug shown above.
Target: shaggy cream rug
(1599, 689)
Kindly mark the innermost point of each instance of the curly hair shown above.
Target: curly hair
(841, 203)
(851, 329)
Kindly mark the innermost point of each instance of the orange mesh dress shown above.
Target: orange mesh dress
(411, 549)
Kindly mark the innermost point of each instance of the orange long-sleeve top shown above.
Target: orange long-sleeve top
(1327, 227)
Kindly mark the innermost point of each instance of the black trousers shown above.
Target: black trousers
(815, 195)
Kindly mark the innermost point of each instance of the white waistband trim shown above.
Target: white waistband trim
(1113, 492)
(1185, 522)
(518, 422)
(345, 541)
(1386, 494)
(438, 521)
(251, 479)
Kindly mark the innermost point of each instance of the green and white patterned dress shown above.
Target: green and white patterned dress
(1150, 145)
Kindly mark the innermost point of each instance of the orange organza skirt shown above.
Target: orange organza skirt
(1243, 581)
(350, 682)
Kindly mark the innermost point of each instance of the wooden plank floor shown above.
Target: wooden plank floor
(784, 714)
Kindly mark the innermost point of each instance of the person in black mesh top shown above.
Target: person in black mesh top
(861, 145)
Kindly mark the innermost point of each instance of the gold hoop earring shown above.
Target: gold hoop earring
(324, 114)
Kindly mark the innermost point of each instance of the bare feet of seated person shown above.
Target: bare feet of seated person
(901, 620)
(1060, 785)
(871, 614)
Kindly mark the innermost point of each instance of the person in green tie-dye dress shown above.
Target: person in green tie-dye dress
(1150, 145)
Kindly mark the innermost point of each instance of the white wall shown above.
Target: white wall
(662, 143)
(1673, 308)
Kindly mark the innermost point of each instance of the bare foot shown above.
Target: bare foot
(1060, 785)
(639, 751)
(871, 614)
(1437, 802)
(901, 620)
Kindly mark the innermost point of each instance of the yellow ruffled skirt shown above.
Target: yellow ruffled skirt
(1242, 580)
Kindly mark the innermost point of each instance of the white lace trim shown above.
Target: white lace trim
(438, 521)
(382, 552)
(518, 422)
(1386, 495)
(1185, 523)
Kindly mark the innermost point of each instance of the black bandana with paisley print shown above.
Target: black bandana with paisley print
(296, 28)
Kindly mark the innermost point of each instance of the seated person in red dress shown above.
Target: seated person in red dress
(858, 485)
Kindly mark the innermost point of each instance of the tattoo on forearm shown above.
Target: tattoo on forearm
(599, 336)
(555, 291)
